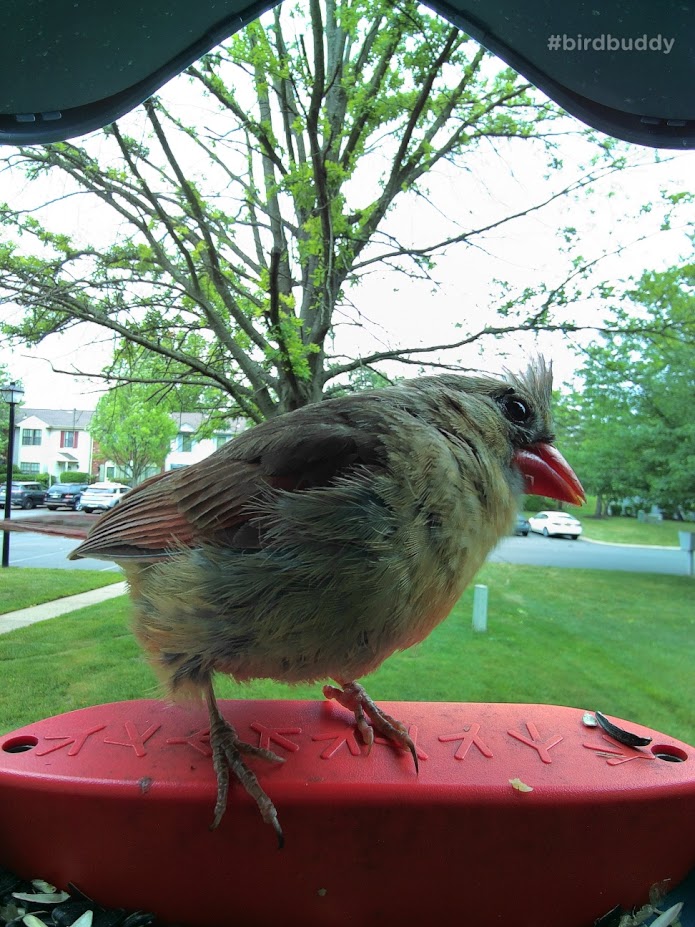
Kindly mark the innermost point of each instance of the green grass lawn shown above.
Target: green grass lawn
(22, 588)
(618, 642)
(620, 530)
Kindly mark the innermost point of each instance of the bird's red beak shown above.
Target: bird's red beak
(547, 473)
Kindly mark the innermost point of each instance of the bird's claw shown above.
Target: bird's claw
(365, 728)
(227, 749)
(353, 697)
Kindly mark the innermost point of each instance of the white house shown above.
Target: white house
(53, 442)
(187, 449)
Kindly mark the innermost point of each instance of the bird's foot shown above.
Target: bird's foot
(227, 751)
(353, 697)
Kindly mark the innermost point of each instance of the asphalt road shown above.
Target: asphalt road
(591, 555)
(35, 550)
(40, 550)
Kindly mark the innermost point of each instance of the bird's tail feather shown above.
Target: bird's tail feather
(64, 526)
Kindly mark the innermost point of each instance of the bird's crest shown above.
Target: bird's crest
(536, 380)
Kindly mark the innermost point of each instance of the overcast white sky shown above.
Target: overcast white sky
(403, 312)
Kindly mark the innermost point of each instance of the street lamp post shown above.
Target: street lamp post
(11, 394)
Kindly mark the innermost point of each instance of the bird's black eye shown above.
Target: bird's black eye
(515, 409)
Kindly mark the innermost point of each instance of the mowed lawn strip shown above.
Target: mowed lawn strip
(22, 587)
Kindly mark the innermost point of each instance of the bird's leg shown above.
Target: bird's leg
(226, 754)
(353, 697)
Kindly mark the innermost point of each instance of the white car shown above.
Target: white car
(102, 496)
(553, 524)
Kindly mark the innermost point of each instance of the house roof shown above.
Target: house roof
(79, 419)
(188, 421)
(65, 419)
(192, 421)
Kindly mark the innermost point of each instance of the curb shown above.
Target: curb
(26, 616)
(638, 546)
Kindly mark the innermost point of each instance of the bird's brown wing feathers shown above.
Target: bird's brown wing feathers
(213, 499)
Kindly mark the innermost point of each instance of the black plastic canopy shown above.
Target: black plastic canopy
(626, 67)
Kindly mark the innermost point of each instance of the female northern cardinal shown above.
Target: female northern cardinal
(318, 543)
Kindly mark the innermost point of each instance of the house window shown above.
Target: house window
(68, 438)
(221, 440)
(185, 442)
(31, 436)
(29, 468)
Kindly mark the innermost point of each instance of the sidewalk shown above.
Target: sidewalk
(26, 616)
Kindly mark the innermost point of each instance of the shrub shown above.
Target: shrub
(16, 475)
(74, 476)
(537, 504)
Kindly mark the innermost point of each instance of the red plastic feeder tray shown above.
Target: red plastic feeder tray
(520, 815)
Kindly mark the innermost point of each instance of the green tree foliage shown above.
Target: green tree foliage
(240, 231)
(132, 430)
(631, 426)
(5, 380)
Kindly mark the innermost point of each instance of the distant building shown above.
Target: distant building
(55, 442)
(187, 449)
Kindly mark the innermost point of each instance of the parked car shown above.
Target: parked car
(522, 527)
(25, 495)
(65, 494)
(555, 524)
(102, 496)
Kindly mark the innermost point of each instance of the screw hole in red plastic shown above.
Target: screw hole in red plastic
(668, 753)
(20, 744)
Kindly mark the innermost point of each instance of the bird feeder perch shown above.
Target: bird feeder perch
(520, 814)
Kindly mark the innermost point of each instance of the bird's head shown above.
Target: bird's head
(525, 405)
(512, 417)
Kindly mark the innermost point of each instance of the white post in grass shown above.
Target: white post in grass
(687, 542)
(480, 608)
